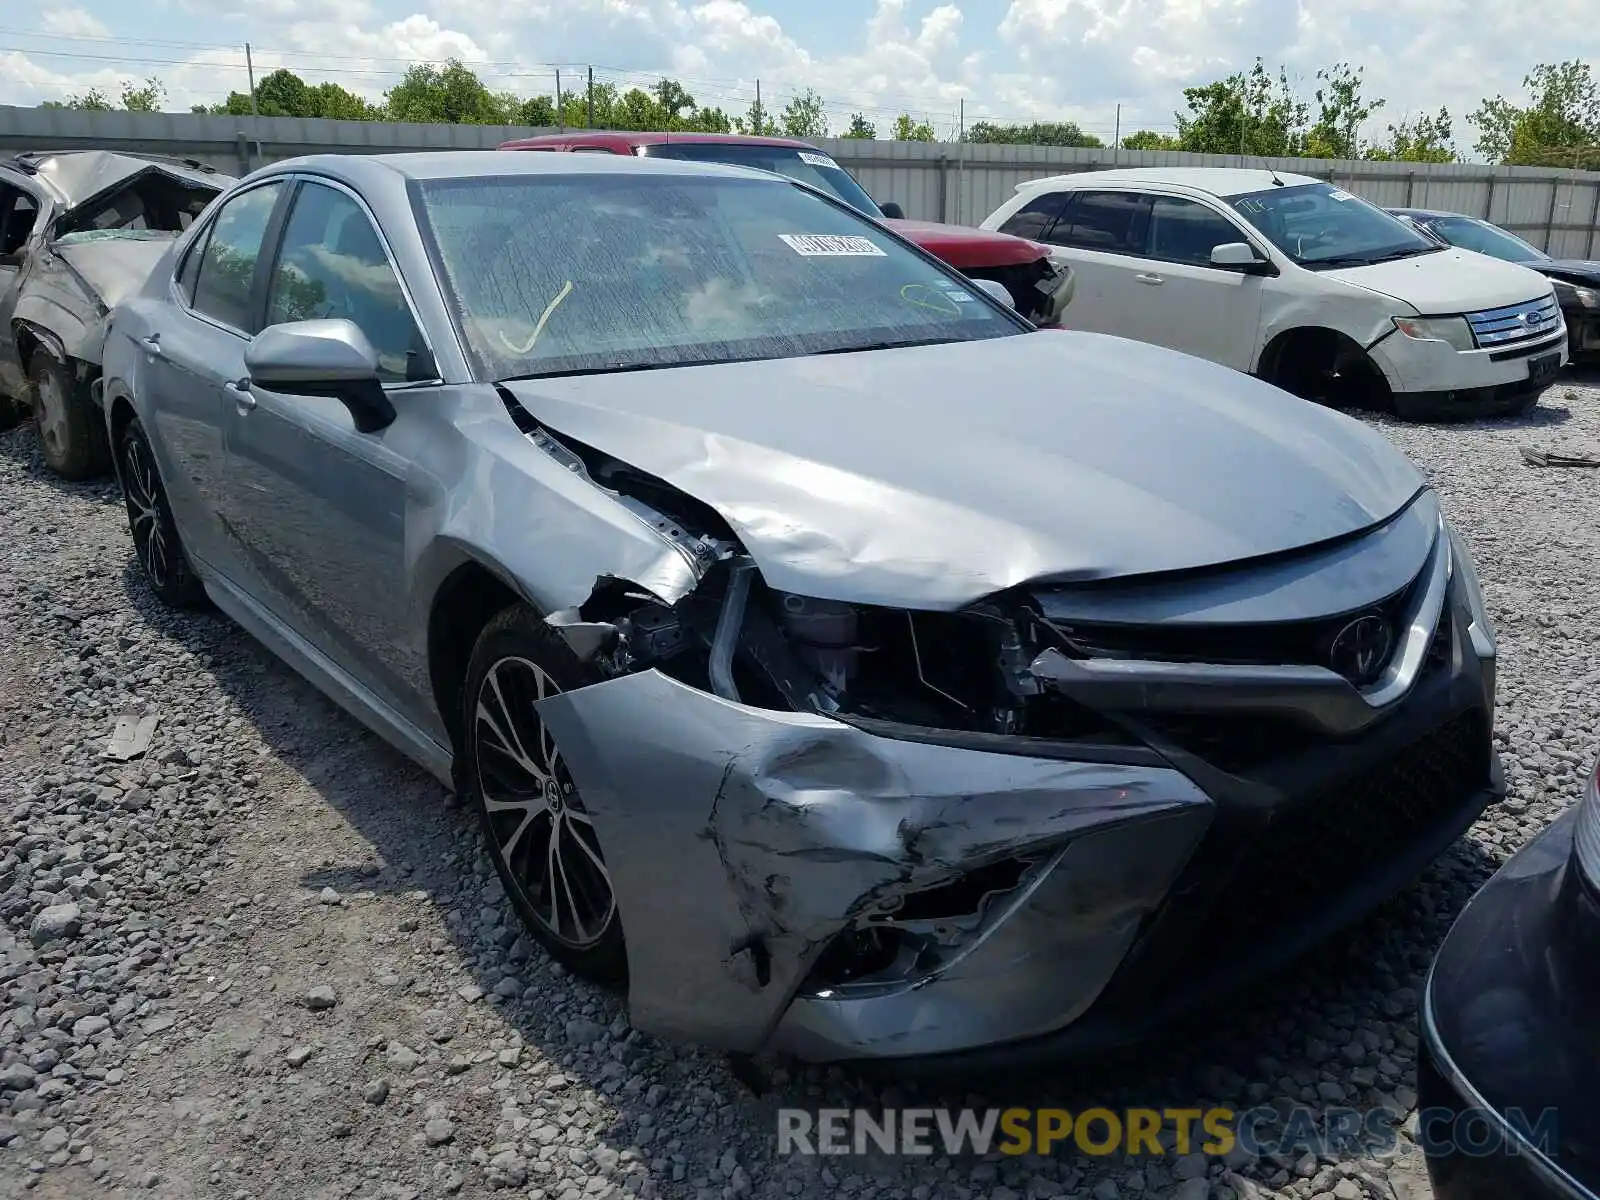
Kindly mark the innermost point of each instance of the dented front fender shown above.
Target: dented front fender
(740, 841)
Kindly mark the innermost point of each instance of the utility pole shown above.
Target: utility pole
(560, 117)
(961, 156)
(761, 113)
(250, 72)
(1116, 137)
(591, 97)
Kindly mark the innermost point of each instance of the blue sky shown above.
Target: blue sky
(1007, 59)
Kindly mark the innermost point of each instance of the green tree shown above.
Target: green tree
(148, 97)
(1149, 139)
(756, 121)
(1560, 123)
(861, 128)
(1040, 133)
(282, 93)
(805, 117)
(94, 100)
(539, 111)
(708, 120)
(637, 109)
(448, 95)
(908, 130)
(1246, 113)
(1342, 109)
(575, 107)
(1425, 138)
(675, 102)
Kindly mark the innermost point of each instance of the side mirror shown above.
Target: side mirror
(321, 358)
(1239, 256)
(892, 211)
(995, 291)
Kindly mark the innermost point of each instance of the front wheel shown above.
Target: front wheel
(540, 835)
(155, 535)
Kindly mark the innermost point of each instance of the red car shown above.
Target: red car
(1037, 287)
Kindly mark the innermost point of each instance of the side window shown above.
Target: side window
(189, 269)
(1108, 221)
(18, 211)
(1186, 231)
(1035, 219)
(228, 264)
(331, 264)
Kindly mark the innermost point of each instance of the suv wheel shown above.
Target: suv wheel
(72, 435)
(155, 535)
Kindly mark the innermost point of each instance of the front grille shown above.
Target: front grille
(1341, 835)
(1515, 324)
(1282, 643)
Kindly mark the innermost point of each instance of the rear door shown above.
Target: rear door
(194, 357)
(1211, 312)
(1100, 233)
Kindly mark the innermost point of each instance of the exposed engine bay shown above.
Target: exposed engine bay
(744, 641)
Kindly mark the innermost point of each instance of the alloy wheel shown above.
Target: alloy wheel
(537, 823)
(142, 487)
(50, 413)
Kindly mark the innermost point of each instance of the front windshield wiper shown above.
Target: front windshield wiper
(1405, 252)
(900, 345)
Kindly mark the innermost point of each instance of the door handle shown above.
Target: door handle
(1153, 280)
(239, 389)
(152, 344)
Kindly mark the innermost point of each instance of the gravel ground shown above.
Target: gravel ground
(269, 959)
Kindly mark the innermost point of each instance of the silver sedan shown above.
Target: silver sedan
(836, 662)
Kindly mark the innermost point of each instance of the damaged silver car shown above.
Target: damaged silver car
(79, 230)
(837, 663)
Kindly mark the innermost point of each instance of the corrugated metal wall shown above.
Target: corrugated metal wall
(1555, 209)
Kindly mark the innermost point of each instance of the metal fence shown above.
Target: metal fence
(1558, 210)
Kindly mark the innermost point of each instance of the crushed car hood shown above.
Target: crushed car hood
(79, 177)
(932, 476)
(964, 248)
(114, 267)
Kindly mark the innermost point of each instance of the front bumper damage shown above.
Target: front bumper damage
(844, 890)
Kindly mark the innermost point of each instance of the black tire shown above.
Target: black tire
(72, 433)
(11, 413)
(511, 771)
(155, 535)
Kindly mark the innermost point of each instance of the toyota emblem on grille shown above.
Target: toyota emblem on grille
(1360, 650)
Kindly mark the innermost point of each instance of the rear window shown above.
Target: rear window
(1108, 221)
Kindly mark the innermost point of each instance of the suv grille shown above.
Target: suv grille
(1515, 324)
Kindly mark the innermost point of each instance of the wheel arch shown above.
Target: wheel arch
(468, 596)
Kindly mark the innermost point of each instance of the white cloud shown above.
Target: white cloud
(74, 22)
(1024, 60)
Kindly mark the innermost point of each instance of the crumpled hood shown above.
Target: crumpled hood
(964, 248)
(1447, 282)
(929, 477)
(115, 267)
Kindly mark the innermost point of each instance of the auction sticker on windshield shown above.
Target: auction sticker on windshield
(831, 245)
(816, 160)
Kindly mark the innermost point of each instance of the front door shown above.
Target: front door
(1210, 312)
(318, 507)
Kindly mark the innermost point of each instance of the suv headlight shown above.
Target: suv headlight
(1453, 331)
(1586, 842)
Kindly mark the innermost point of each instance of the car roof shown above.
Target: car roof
(470, 164)
(73, 176)
(1215, 181)
(630, 137)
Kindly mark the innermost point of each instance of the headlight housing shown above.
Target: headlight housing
(1586, 842)
(1453, 331)
(1461, 565)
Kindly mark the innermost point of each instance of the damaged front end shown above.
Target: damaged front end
(846, 830)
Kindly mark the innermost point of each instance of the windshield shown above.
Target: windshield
(564, 274)
(1485, 238)
(808, 166)
(1320, 226)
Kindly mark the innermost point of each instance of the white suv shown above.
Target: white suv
(1299, 282)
